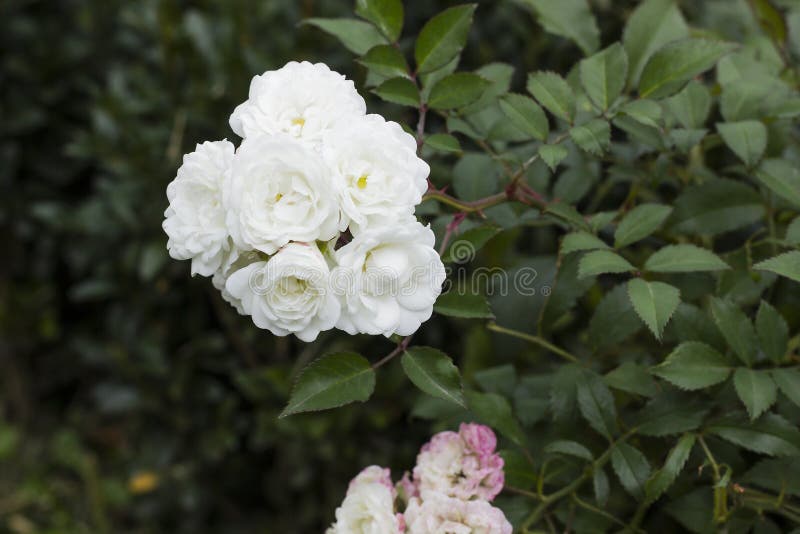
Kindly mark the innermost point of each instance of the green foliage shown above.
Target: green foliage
(616, 199)
(553, 93)
(456, 91)
(433, 372)
(331, 381)
(443, 37)
(655, 302)
(356, 35)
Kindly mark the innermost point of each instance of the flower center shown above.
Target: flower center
(362, 181)
(298, 121)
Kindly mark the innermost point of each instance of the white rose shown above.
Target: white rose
(279, 191)
(438, 514)
(376, 170)
(300, 99)
(368, 507)
(195, 218)
(388, 278)
(236, 260)
(289, 294)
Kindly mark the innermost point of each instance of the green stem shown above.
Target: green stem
(467, 207)
(534, 339)
(548, 500)
(585, 505)
(720, 493)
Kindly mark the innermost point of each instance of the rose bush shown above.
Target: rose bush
(613, 196)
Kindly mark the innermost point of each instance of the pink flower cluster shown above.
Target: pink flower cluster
(456, 477)
(463, 465)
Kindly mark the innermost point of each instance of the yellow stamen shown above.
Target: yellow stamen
(298, 121)
(362, 181)
(278, 197)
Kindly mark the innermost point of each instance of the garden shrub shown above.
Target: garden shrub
(615, 194)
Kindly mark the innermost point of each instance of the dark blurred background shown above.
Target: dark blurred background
(132, 398)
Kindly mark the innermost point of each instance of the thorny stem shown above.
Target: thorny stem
(452, 226)
(534, 339)
(423, 111)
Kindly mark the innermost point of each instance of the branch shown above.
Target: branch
(401, 347)
(534, 339)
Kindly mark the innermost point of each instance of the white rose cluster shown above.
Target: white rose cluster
(457, 476)
(309, 224)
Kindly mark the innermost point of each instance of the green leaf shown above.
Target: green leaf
(554, 93)
(736, 328)
(632, 378)
(691, 106)
(647, 112)
(454, 303)
(693, 365)
(443, 37)
(443, 143)
(457, 90)
(793, 232)
(578, 241)
(669, 69)
(755, 389)
(517, 469)
(668, 414)
(501, 379)
(596, 404)
(475, 176)
(639, 223)
(386, 61)
(684, 259)
(747, 139)
(641, 133)
(567, 213)
(654, 302)
(463, 248)
(563, 391)
(772, 434)
(553, 155)
(685, 140)
(568, 18)
(693, 324)
(569, 448)
(356, 35)
(331, 381)
(433, 372)
(600, 486)
(631, 467)
(773, 332)
(788, 381)
(526, 115)
(399, 91)
(653, 24)
(787, 264)
(771, 21)
(782, 177)
(601, 262)
(603, 75)
(716, 207)
(594, 136)
(614, 319)
(494, 410)
(666, 476)
(387, 15)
